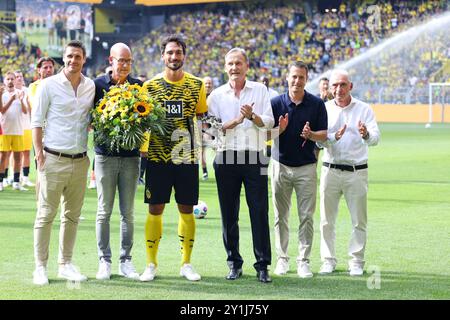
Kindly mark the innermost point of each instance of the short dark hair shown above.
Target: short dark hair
(324, 79)
(299, 64)
(76, 44)
(172, 38)
(44, 59)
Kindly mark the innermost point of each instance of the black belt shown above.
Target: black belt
(65, 155)
(345, 167)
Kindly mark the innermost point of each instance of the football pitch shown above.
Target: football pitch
(408, 249)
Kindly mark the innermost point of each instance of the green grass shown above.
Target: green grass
(408, 239)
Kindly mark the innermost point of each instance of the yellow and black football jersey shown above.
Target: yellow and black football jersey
(182, 100)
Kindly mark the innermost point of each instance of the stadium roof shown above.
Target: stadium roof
(80, 1)
(174, 2)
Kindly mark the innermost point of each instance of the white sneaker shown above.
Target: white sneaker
(1, 186)
(26, 182)
(70, 272)
(40, 276)
(189, 273)
(149, 273)
(282, 267)
(127, 270)
(303, 270)
(327, 268)
(92, 184)
(5, 183)
(104, 270)
(356, 271)
(17, 186)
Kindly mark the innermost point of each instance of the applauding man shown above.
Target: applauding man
(352, 128)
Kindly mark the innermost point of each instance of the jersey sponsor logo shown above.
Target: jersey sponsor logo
(174, 109)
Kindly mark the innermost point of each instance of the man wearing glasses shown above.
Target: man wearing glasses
(116, 170)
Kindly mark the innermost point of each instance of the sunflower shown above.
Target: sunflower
(101, 106)
(113, 92)
(134, 86)
(127, 95)
(142, 108)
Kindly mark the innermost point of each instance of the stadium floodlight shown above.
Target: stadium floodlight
(433, 98)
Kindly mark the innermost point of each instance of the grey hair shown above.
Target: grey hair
(341, 72)
(240, 50)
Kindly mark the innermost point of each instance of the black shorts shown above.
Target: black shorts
(160, 178)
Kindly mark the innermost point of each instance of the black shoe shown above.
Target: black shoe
(234, 274)
(263, 276)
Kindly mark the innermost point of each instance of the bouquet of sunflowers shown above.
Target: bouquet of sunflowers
(124, 114)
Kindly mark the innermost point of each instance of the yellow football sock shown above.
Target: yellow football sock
(153, 233)
(186, 233)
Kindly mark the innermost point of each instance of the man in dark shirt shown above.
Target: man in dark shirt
(302, 119)
(116, 170)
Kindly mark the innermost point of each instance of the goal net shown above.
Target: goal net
(438, 99)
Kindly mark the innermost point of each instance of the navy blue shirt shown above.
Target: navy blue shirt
(102, 84)
(287, 148)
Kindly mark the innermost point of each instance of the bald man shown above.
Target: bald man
(116, 170)
(352, 129)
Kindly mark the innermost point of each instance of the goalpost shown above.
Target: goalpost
(442, 97)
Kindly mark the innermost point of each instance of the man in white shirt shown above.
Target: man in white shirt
(63, 101)
(245, 110)
(12, 106)
(352, 128)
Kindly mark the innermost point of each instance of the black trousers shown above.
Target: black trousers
(232, 169)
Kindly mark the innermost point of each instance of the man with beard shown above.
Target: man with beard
(12, 106)
(172, 156)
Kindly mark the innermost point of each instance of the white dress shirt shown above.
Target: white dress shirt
(223, 104)
(66, 113)
(11, 121)
(351, 149)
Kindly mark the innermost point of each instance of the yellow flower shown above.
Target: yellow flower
(127, 95)
(114, 100)
(142, 108)
(101, 106)
(134, 86)
(113, 92)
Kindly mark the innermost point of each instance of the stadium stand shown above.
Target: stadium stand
(275, 33)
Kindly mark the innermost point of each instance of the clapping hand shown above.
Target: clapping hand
(247, 110)
(20, 95)
(283, 123)
(340, 132)
(363, 130)
(306, 133)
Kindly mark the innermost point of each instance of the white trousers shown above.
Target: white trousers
(353, 185)
(303, 180)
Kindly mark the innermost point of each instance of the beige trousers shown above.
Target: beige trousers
(303, 180)
(353, 185)
(61, 180)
